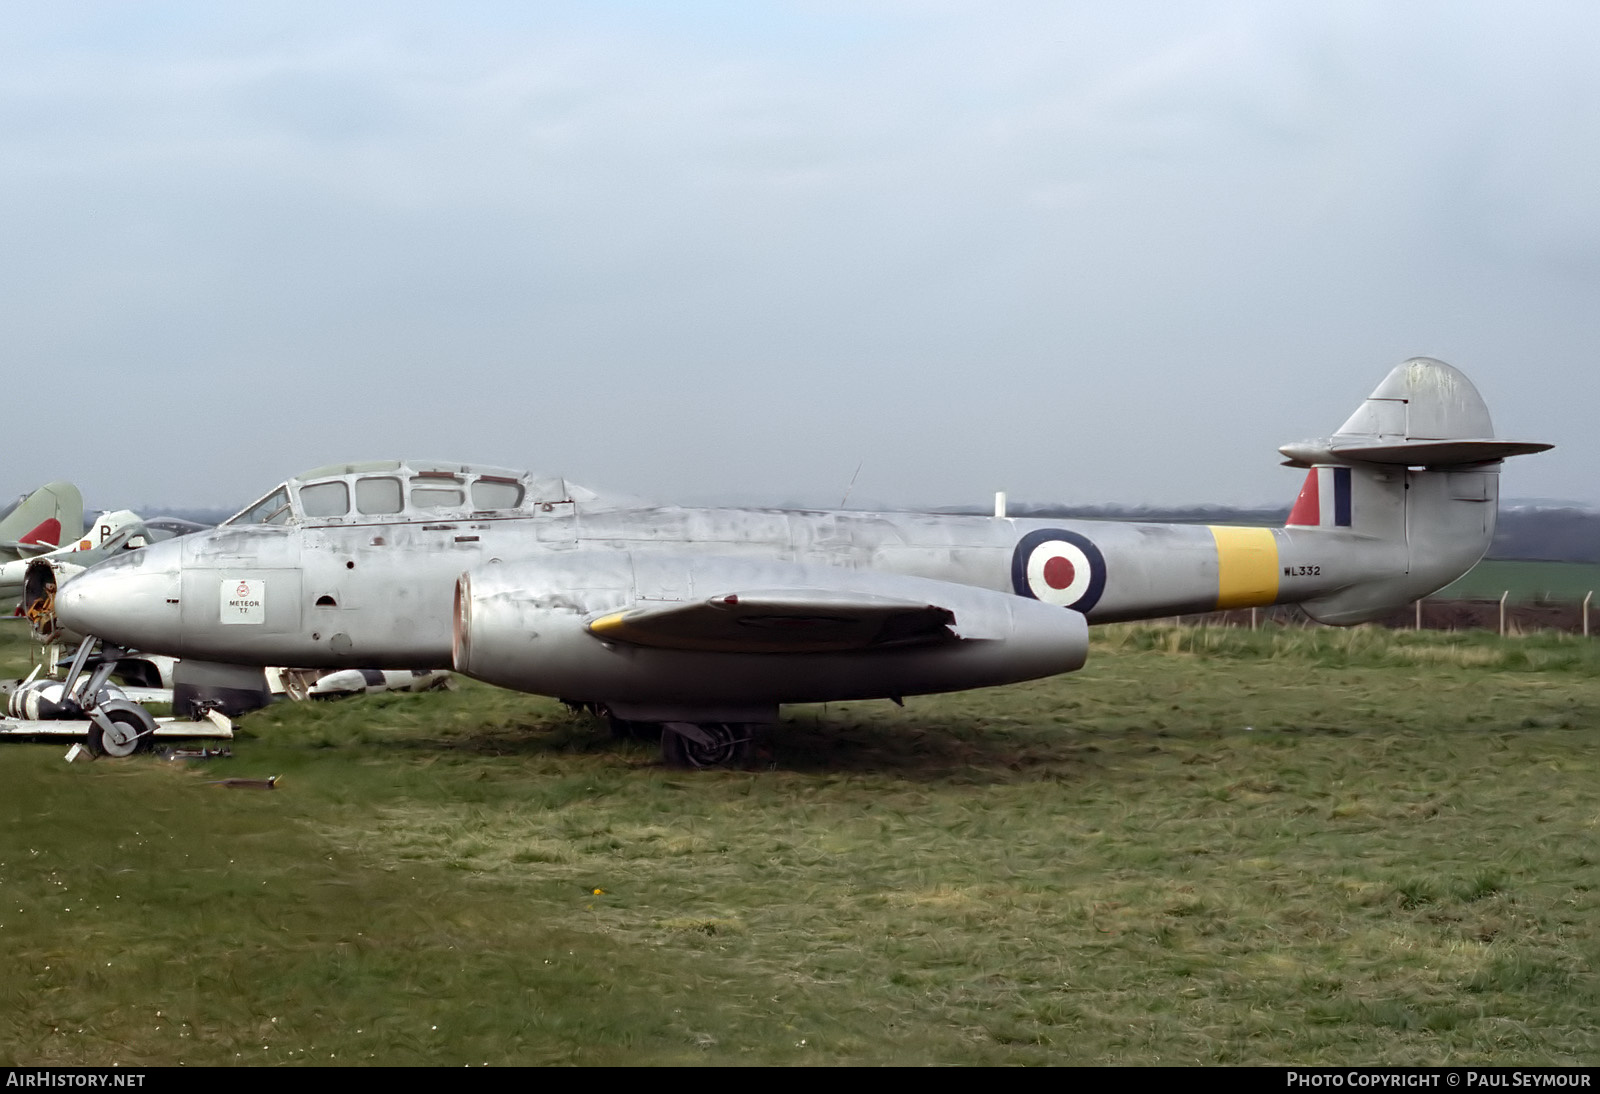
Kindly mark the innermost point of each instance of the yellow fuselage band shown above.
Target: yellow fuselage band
(1247, 566)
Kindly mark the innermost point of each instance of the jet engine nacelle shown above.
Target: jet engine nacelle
(43, 576)
(615, 627)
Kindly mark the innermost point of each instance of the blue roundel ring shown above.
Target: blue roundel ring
(1059, 567)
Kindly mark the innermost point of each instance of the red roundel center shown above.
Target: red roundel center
(1058, 572)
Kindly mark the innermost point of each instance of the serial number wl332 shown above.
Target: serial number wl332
(1302, 571)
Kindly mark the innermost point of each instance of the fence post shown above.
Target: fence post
(1419, 613)
(1586, 600)
(1503, 612)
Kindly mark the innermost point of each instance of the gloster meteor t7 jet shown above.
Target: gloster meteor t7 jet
(705, 621)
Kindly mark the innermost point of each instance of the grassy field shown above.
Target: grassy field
(1525, 581)
(1210, 846)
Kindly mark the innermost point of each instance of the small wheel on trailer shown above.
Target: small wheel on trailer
(130, 732)
(720, 744)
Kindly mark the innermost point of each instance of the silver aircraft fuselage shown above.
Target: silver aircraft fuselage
(537, 584)
(382, 591)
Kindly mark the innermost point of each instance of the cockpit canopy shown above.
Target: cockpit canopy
(399, 490)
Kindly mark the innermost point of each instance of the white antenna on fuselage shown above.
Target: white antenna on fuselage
(852, 485)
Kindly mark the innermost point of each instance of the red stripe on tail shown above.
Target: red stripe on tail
(1308, 506)
(48, 532)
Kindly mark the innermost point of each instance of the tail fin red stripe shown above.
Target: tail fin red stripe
(49, 531)
(1308, 506)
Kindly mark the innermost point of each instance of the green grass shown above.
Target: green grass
(1210, 846)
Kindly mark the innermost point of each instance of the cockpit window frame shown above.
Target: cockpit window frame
(493, 483)
(301, 490)
(398, 478)
(419, 490)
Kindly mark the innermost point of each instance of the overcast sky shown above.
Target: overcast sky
(1082, 252)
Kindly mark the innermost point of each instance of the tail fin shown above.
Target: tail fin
(121, 526)
(1411, 481)
(42, 521)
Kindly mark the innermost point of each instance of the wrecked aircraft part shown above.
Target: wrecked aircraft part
(38, 700)
(302, 684)
(238, 689)
(84, 702)
(295, 683)
(222, 752)
(112, 740)
(345, 682)
(84, 689)
(268, 783)
(198, 686)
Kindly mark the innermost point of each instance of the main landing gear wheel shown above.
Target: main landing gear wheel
(709, 744)
(129, 733)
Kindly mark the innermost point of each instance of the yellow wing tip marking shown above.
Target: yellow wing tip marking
(607, 624)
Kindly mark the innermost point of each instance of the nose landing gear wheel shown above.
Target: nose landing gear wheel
(129, 733)
(709, 744)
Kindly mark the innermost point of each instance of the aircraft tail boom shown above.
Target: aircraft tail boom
(1406, 491)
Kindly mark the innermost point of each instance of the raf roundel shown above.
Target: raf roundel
(1059, 567)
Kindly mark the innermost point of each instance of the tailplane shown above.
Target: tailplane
(1412, 481)
(1424, 414)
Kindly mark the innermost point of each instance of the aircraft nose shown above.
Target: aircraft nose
(132, 600)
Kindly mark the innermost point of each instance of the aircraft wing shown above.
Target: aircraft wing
(779, 621)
